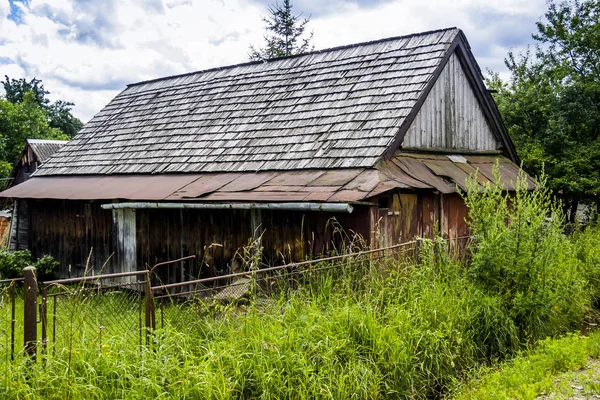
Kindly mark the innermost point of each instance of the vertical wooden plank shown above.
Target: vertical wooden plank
(126, 235)
(373, 217)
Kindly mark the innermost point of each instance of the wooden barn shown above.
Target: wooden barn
(35, 153)
(304, 152)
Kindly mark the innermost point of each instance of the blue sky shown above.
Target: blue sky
(86, 51)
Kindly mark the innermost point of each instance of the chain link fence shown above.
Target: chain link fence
(11, 308)
(119, 311)
(182, 306)
(107, 312)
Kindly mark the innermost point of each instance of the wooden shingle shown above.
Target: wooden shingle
(336, 108)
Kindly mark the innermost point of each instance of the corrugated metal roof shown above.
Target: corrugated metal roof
(336, 108)
(409, 171)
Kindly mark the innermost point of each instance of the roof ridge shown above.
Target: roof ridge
(247, 63)
(41, 141)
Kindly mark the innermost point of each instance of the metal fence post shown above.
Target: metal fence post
(150, 309)
(44, 318)
(13, 321)
(30, 311)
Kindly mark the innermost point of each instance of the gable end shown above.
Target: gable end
(460, 51)
(451, 118)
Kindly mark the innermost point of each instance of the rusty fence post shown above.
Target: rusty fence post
(150, 308)
(44, 318)
(30, 311)
(13, 321)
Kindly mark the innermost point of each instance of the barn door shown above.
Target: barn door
(397, 218)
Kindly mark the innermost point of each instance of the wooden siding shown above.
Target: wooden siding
(451, 116)
(419, 214)
(72, 230)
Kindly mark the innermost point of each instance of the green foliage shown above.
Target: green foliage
(21, 121)
(587, 248)
(47, 268)
(340, 333)
(550, 105)
(26, 113)
(15, 90)
(58, 113)
(521, 255)
(12, 264)
(285, 33)
(533, 372)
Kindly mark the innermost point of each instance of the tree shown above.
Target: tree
(285, 33)
(26, 113)
(22, 121)
(58, 113)
(15, 90)
(551, 104)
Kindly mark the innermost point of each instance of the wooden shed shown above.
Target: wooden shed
(370, 139)
(35, 153)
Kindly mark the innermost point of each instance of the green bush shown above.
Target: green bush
(47, 268)
(12, 264)
(521, 255)
(587, 249)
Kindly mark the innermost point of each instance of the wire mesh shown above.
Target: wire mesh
(183, 306)
(106, 313)
(10, 305)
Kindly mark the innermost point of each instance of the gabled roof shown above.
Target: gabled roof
(346, 107)
(43, 148)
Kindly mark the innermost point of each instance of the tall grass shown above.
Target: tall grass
(365, 330)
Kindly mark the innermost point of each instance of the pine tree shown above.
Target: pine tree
(285, 33)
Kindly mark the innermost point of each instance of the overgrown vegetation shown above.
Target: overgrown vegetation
(12, 264)
(534, 372)
(374, 329)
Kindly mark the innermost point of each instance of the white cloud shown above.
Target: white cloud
(87, 51)
(4, 10)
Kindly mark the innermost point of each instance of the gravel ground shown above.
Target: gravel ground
(577, 385)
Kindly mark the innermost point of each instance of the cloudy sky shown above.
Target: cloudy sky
(86, 51)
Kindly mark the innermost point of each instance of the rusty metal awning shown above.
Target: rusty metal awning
(409, 171)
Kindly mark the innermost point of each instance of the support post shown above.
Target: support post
(418, 247)
(13, 321)
(150, 308)
(44, 318)
(30, 311)
(125, 234)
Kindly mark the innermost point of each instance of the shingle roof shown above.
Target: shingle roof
(43, 149)
(336, 108)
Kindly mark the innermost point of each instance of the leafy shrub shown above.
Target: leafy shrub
(521, 255)
(12, 264)
(586, 244)
(47, 268)
(532, 372)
